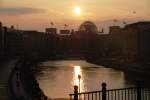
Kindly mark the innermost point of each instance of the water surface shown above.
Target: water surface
(57, 78)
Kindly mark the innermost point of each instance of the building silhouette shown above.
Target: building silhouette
(1, 39)
(129, 44)
(51, 30)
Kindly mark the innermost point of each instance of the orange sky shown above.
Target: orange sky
(37, 14)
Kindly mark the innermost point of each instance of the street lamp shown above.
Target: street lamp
(79, 77)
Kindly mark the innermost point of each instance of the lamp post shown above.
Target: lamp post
(79, 77)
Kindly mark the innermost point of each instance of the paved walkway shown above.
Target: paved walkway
(5, 71)
(17, 85)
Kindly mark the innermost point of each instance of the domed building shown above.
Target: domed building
(89, 27)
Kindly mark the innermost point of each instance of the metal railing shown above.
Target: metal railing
(134, 93)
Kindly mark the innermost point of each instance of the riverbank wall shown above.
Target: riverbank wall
(130, 67)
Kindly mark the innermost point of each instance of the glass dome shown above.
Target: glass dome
(88, 26)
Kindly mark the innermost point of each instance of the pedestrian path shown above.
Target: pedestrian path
(5, 72)
(17, 85)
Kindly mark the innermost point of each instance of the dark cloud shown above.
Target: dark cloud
(20, 10)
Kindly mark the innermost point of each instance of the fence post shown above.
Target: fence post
(103, 91)
(75, 92)
(139, 91)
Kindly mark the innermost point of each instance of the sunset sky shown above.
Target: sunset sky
(37, 14)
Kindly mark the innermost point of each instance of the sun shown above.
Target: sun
(77, 10)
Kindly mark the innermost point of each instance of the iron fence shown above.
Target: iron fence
(133, 93)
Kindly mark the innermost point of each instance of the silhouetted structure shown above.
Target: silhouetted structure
(121, 45)
(1, 39)
(51, 30)
(88, 26)
(65, 32)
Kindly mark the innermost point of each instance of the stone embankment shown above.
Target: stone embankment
(132, 67)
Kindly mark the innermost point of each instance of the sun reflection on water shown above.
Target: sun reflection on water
(78, 78)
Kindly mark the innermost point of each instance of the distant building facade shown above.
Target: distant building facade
(65, 32)
(128, 44)
(1, 39)
(51, 30)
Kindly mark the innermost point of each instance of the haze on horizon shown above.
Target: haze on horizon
(38, 14)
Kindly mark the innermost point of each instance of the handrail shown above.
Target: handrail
(131, 93)
(106, 90)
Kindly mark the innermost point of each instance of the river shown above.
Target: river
(57, 78)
